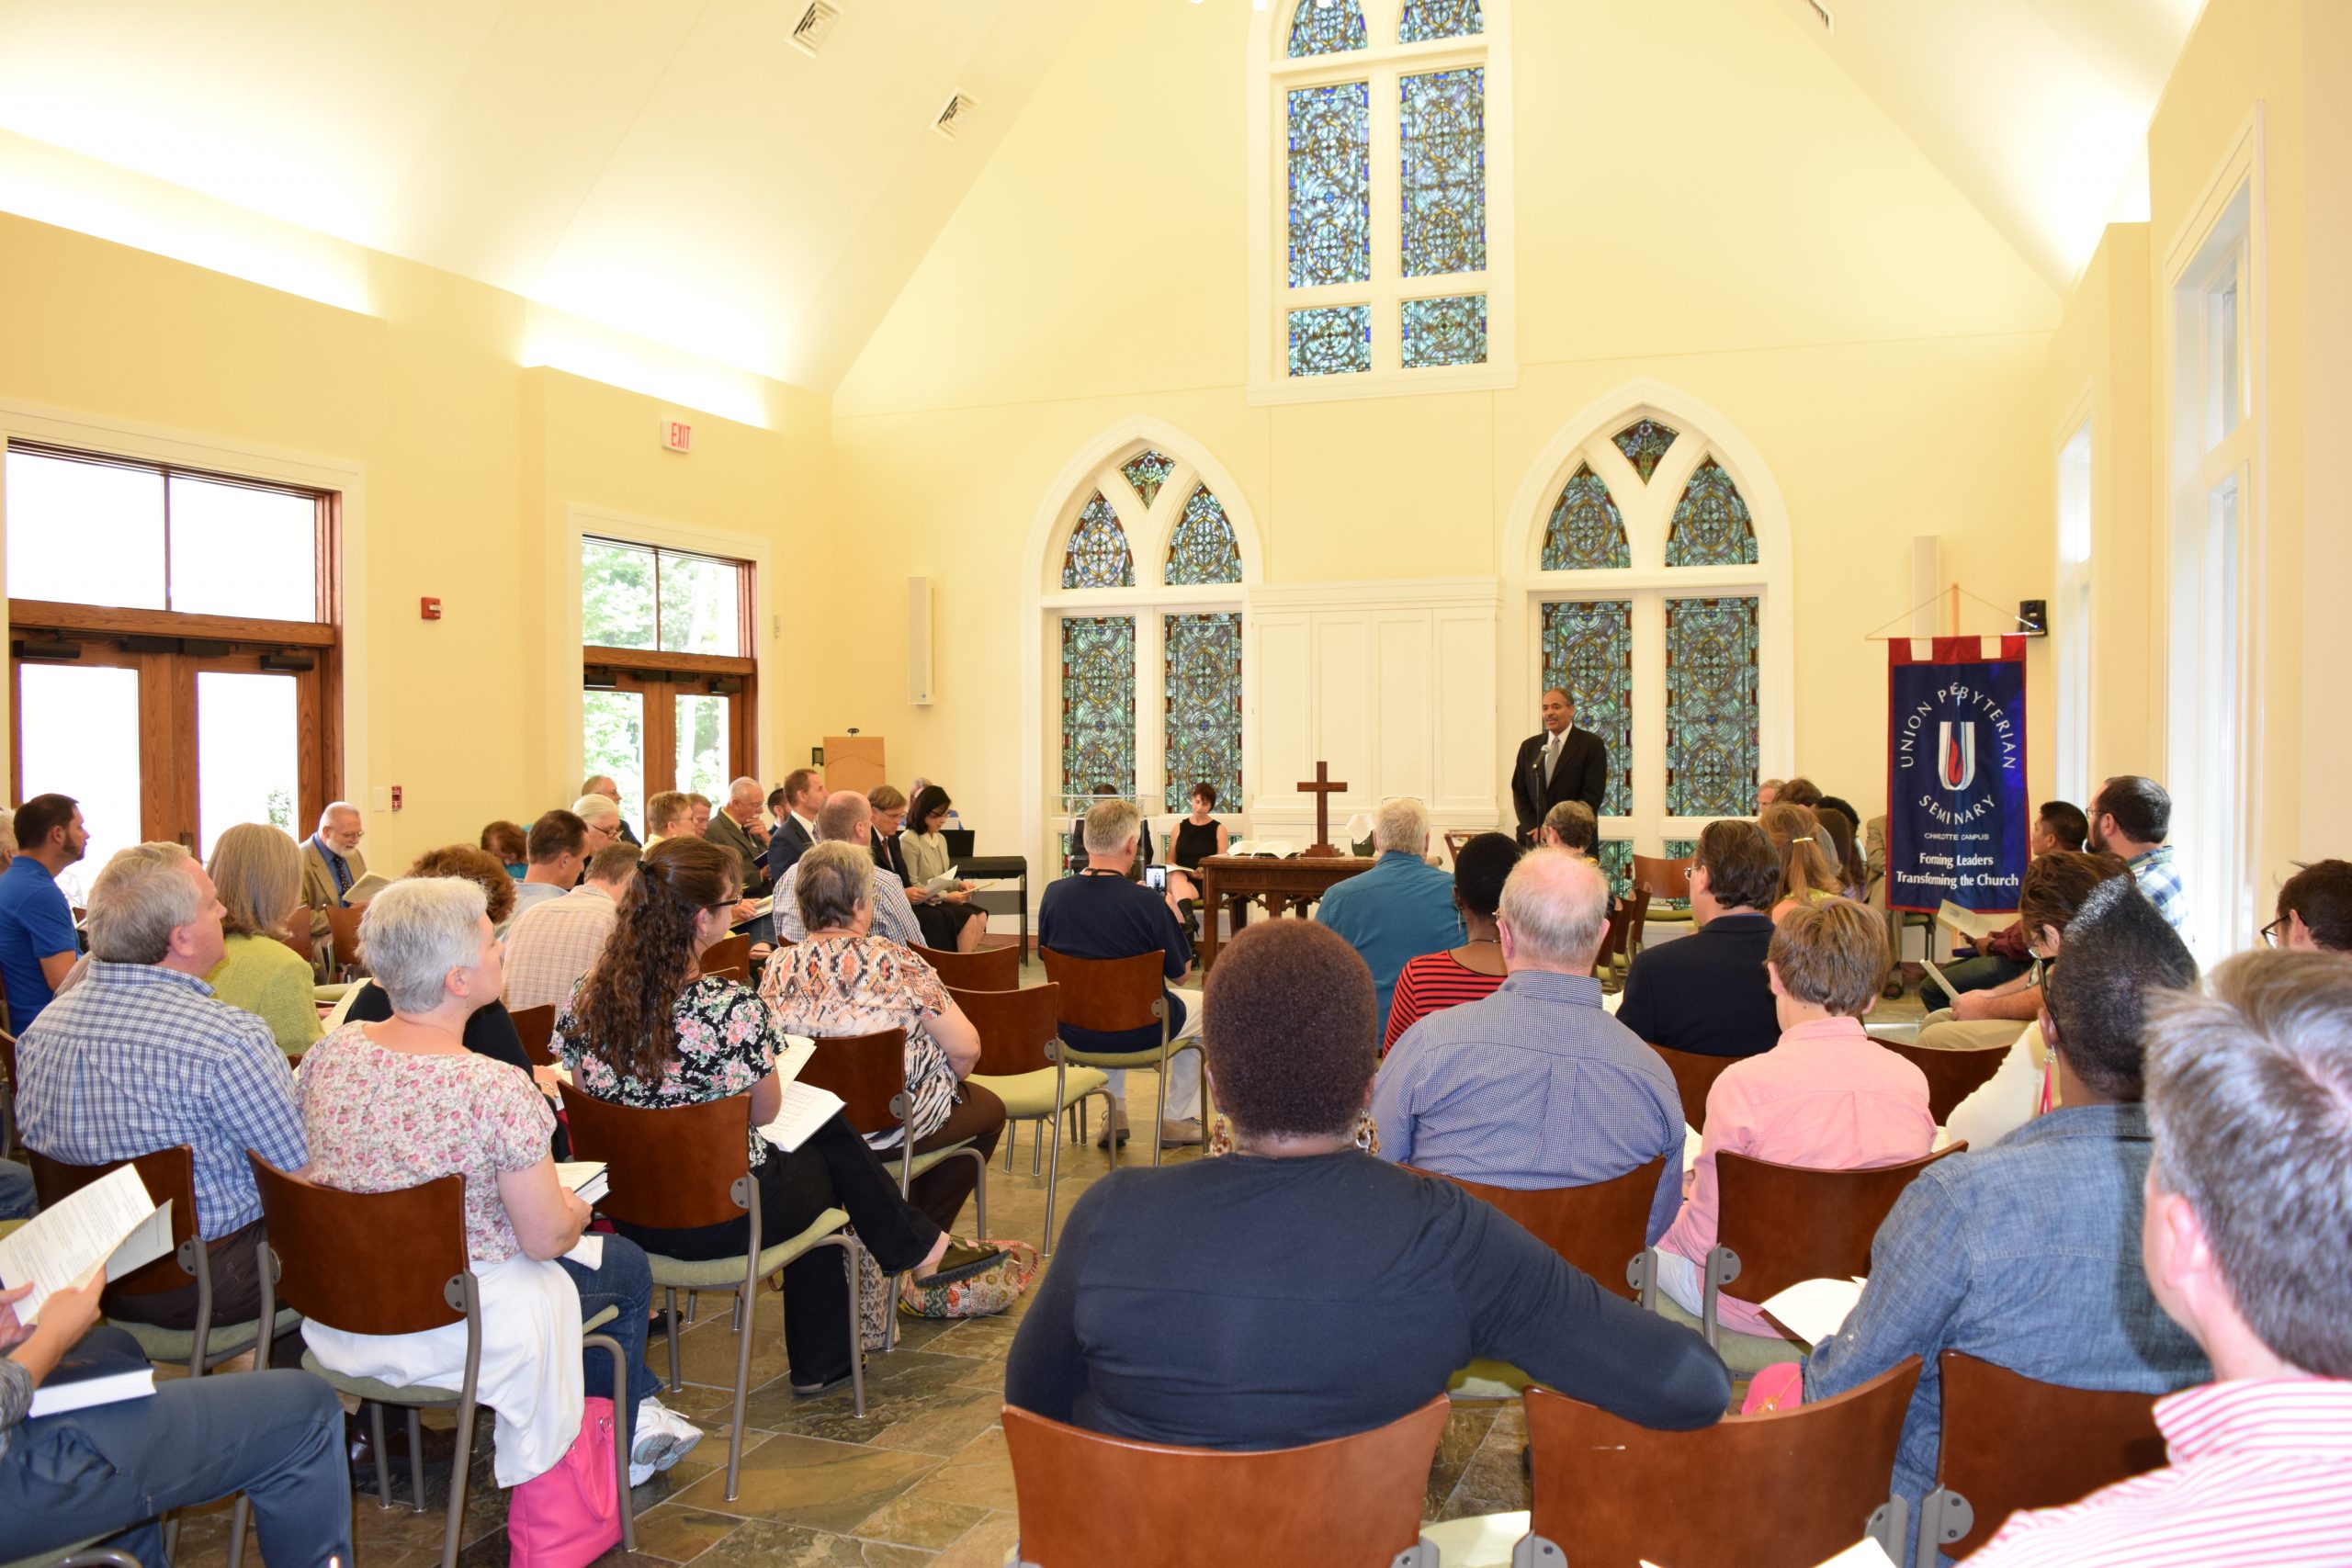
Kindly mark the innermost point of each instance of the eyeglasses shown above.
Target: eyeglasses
(2039, 971)
(2275, 932)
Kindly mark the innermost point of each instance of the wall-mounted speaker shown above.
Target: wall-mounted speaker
(919, 640)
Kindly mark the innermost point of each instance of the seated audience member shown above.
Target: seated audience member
(1323, 1321)
(332, 863)
(737, 826)
(1766, 791)
(257, 873)
(1826, 1096)
(803, 796)
(1570, 826)
(1401, 908)
(2006, 954)
(950, 920)
(1806, 876)
(1099, 913)
(699, 814)
(488, 1029)
(399, 1102)
(2249, 1197)
(1995, 1015)
(2025, 1083)
(602, 784)
(669, 814)
(548, 948)
(1845, 859)
(1706, 992)
(510, 844)
(558, 851)
(1798, 791)
(840, 979)
(118, 1469)
(889, 808)
(19, 1199)
(846, 818)
(37, 944)
(1536, 1086)
(140, 1057)
(7, 837)
(603, 821)
(2027, 1254)
(1435, 981)
(649, 1029)
(2315, 909)
(2132, 818)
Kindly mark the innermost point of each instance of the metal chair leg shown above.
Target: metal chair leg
(670, 1304)
(461, 1469)
(383, 1466)
(416, 1459)
(744, 1386)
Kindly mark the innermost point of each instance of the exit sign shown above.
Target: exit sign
(677, 436)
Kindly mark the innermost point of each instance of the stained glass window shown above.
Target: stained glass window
(1426, 19)
(1585, 530)
(1442, 145)
(1326, 27)
(1147, 471)
(1330, 340)
(1712, 526)
(1643, 441)
(1201, 548)
(1098, 555)
(1098, 703)
(1588, 649)
(1203, 706)
(1616, 858)
(1711, 706)
(1450, 329)
(1330, 184)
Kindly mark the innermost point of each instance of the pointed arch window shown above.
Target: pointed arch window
(1643, 441)
(1098, 555)
(1712, 526)
(1201, 549)
(1145, 472)
(1586, 531)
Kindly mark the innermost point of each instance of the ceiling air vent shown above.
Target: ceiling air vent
(951, 118)
(816, 26)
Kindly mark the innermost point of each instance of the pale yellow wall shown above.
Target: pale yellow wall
(1703, 199)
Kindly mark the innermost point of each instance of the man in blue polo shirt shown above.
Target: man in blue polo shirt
(37, 940)
(1399, 909)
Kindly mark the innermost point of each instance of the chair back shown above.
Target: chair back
(1599, 1228)
(300, 946)
(987, 969)
(1789, 1224)
(869, 1072)
(1087, 1499)
(169, 1176)
(2011, 1442)
(1108, 996)
(1952, 1076)
(1623, 936)
(1694, 1074)
(1455, 841)
(1783, 1489)
(1667, 881)
(675, 1168)
(728, 958)
(535, 1026)
(365, 1262)
(343, 927)
(1016, 1028)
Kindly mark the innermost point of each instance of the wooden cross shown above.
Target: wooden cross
(1322, 788)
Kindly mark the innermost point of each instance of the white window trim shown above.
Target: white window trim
(221, 454)
(1648, 510)
(1272, 74)
(2073, 608)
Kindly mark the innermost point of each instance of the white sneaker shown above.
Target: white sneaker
(664, 1437)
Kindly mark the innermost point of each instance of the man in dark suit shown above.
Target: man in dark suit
(1562, 763)
(803, 796)
(1706, 993)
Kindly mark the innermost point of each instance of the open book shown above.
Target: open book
(1977, 928)
(366, 887)
(1278, 848)
(110, 1224)
(806, 1107)
(584, 1176)
(1815, 1310)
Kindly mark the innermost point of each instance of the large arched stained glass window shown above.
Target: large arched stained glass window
(1201, 548)
(1643, 441)
(1710, 525)
(1098, 554)
(1326, 27)
(1202, 726)
(1711, 706)
(1425, 19)
(1586, 531)
(1589, 652)
(1098, 703)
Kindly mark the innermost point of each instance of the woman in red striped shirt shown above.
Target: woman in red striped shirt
(1439, 980)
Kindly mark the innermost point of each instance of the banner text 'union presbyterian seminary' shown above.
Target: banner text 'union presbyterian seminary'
(1956, 818)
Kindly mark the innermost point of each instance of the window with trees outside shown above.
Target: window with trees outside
(667, 679)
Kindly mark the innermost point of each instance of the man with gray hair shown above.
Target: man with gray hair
(1536, 1086)
(848, 819)
(739, 826)
(140, 1057)
(1399, 909)
(602, 784)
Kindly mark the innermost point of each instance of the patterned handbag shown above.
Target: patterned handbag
(983, 1295)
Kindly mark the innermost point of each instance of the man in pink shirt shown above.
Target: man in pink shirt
(2243, 1240)
(1825, 1097)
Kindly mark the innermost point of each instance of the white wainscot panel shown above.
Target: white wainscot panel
(1467, 761)
(1404, 700)
(1343, 704)
(1286, 662)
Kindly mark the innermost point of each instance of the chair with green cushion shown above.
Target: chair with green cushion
(395, 1263)
(1668, 883)
(1112, 996)
(685, 1167)
(1022, 1064)
(80, 1555)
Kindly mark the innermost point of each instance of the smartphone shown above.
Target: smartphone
(1156, 877)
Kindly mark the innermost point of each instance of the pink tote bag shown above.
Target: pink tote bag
(571, 1516)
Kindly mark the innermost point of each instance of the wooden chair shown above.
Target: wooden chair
(728, 958)
(1780, 1224)
(396, 1263)
(7, 1092)
(689, 1166)
(987, 969)
(1668, 883)
(1020, 1063)
(535, 1026)
(1694, 1074)
(2011, 1442)
(300, 946)
(1783, 1489)
(1952, 1076)
(1113, 995)
(169, 1176)
(1603, 1228)
(1622, 937)
(1353, 1501)
(343, 932)
(1454, 841)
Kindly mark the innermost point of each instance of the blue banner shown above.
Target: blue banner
(1957, 816)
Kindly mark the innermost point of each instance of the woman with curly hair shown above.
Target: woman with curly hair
(647, 1028)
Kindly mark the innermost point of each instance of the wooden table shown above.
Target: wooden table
(1296, 879)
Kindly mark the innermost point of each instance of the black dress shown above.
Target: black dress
(1194, 844)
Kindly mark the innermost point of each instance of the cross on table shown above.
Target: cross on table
(1322, 788)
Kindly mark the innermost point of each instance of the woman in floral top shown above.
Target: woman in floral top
(648, 1028)
(842, 980)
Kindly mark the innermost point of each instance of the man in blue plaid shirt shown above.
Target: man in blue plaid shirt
(2132, 818)
(140, 1057)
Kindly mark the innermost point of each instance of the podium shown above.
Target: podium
(854, 761)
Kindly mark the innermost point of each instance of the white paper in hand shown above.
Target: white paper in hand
(1815, 1310)
(110, 1224)
(806, 1108)
(795, 1055)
